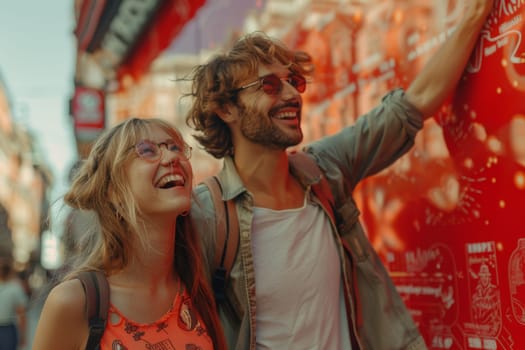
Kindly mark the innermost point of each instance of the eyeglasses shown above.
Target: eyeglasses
(151, 151)
(273, 85)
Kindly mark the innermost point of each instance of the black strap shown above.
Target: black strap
(227, 238)
(96, 289)
(227, 230)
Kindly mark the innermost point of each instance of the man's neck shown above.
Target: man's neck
(267, 177)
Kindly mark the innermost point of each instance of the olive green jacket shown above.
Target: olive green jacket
(378, 318)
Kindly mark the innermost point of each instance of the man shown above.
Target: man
(299, 280)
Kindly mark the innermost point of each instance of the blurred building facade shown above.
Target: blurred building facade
(24, 183)
(445, 218)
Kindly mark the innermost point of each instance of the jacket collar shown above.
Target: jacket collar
(232, 184)
(230, 180)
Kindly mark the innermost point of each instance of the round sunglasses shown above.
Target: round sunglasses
(152, 151)
(272, 84)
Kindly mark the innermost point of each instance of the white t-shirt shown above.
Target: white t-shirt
(300, 302)
(12, 296)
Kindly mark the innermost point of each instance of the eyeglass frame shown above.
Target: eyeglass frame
(184, 153)
(259, 80)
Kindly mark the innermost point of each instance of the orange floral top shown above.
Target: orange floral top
(179, 328)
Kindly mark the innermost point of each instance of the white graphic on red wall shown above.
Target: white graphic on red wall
(485, 304)
(517, 281)
(427, 280)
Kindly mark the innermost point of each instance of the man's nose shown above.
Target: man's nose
(289, 91)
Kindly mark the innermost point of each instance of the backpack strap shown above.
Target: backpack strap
(96, 288)
(227, 237)
(321, 188)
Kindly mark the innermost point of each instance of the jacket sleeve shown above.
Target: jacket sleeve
(374, 142)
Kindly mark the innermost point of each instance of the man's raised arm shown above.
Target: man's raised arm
(440, 75)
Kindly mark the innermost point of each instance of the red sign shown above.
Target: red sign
(88, 111)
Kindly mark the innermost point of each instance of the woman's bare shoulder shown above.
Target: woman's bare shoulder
(68, 295)
(63, 323)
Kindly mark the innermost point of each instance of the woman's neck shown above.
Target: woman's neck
(153, 258)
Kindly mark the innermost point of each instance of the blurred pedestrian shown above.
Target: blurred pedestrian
(300, 279)
(138, 180)
(13, 304)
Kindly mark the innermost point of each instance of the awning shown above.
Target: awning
(125, 36)
(88, 16)
(169, 21)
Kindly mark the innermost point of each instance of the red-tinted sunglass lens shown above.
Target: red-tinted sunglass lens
(298, 82)
(271, 84)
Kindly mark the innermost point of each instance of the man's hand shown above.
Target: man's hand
(439, 77)
(478, 8)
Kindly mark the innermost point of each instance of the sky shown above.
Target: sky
(37, 64)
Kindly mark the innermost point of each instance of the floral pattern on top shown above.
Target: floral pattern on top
(180, 328)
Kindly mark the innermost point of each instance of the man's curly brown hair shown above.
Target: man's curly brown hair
(215, 84)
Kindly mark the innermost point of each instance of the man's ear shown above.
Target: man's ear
(227, 113)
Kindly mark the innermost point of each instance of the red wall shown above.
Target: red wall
(446, 218)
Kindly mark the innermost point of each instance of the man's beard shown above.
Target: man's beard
(259, 128)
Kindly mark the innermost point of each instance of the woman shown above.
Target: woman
(138, 180)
